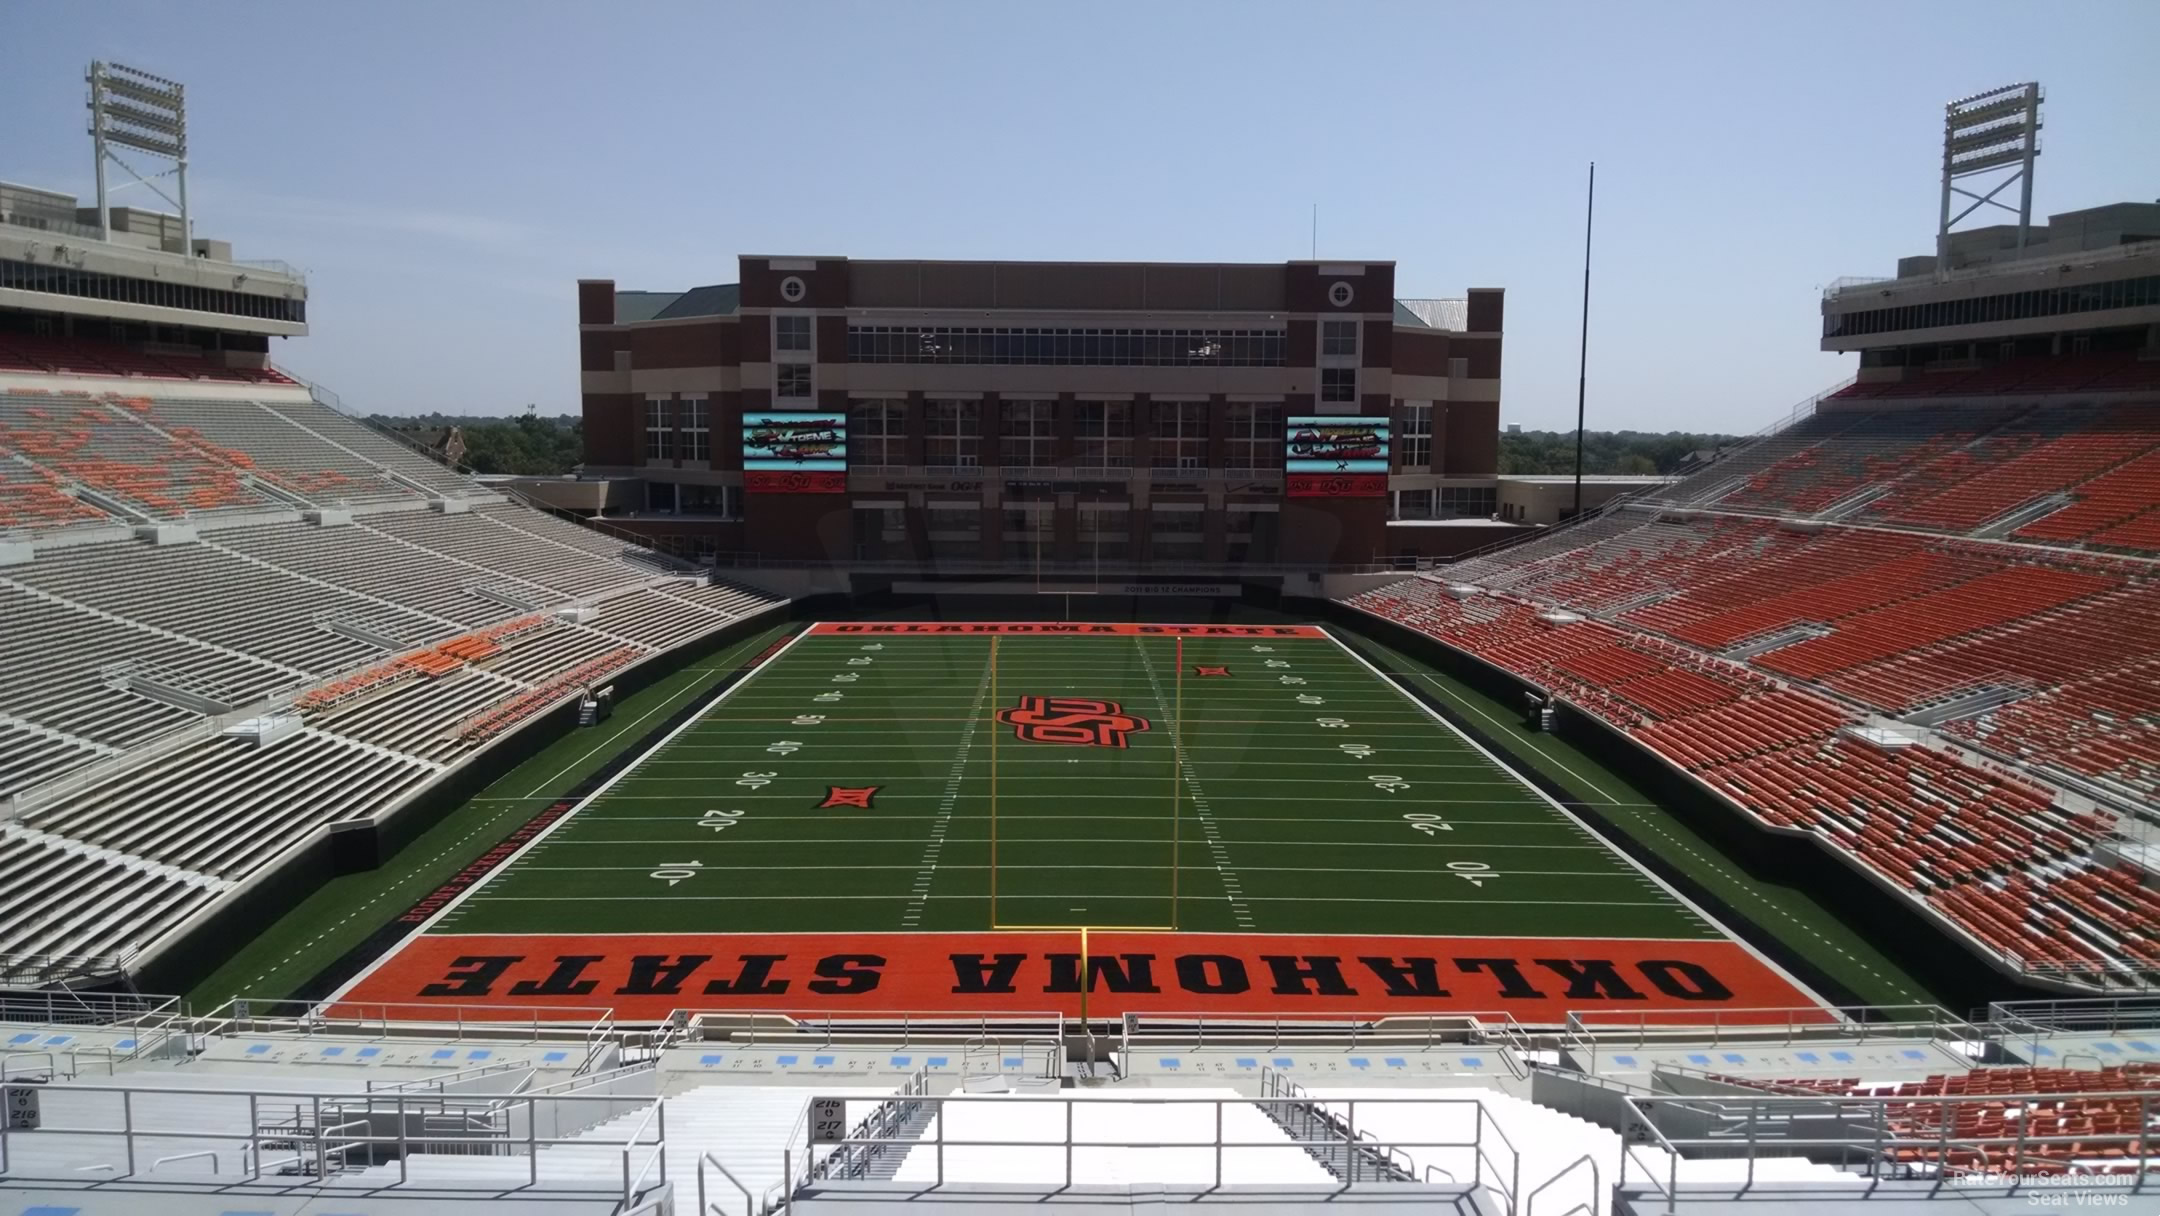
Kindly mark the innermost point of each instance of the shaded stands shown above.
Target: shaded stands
(2103, 373)
(73, 356)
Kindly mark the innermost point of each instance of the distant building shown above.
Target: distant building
(1136, 415)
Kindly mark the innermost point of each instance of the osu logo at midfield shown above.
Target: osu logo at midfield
(1079, 721)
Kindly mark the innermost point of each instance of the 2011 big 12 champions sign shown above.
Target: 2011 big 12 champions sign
(1333, 457)
(794, 453)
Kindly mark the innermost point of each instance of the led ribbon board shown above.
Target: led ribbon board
(794, 453)
(1334, 457)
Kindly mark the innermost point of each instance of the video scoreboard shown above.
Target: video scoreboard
(1336, 457)
(794, 453)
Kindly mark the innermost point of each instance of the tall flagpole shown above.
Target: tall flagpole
(1582, 365)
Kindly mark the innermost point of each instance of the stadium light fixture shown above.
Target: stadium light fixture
(1984, 133)
(134, 110)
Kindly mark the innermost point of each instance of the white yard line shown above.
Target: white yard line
(926, 872)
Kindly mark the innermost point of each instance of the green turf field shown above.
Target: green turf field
(1298, 792)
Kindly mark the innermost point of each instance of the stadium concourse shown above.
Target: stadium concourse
(1923, 635)
(238, 620)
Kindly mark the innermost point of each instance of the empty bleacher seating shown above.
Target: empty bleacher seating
(406, 639)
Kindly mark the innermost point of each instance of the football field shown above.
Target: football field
(1004, 817)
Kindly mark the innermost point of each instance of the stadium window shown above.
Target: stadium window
(877, 433)
(1181, 435)
(659, 440)
(1413, 504)
(1472, 501)
(1256, 435)
(791, 381)
(1176, 532)
(1413, 447)
(954, 430)
(1105, 531)
(1339, 338)
(1104, 432)
(1338, 385)
(1027, 436)
(697, 429)
(791, 334)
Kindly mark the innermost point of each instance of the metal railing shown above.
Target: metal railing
(2027, 265)
(1883, 1138)
(1494, 1161)
(1350, 1030)
(1589, 1205)
(915, 1027)
(590, 1024)
(322, 1132)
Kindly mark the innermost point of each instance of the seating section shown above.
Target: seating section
(2065, 1128)
(405, 641)
(1876, 449)
(2107, 728)
(276, 447)
(97, 446)
(1988, 849)
(32, 497)
(2045, 452)
(2120, 509)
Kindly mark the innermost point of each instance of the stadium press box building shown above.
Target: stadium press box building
(1104, 415)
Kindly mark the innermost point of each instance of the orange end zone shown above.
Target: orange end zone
(646, 977)
(1061, 629)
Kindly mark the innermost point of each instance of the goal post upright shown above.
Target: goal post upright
(1177, 757)
(993, 780)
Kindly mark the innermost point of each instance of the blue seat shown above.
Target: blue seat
(1624, 1061)
(1169, 1063)
(1913, 1053)
(479, 1055)
(1396, 1062)
(18, 1040)
(1281, 1061)
(1732, 1057)
(2109, 1048)
(787, 1061)
(1247, 1062)
(1360, 1062)
(1010, 1062)
(258, 1049)
(1473, 1061)
(2043, 1051)
(442, 1053)
(2142, 1045)
(125, 1045)
(1700, 1061)
(901, 1061)
(1842, 1057)
(59, 1040)
(936, 1062)
(821, 1061)
(46, 1209)
(368, 1053)
(333, 1051)
(555, 1057)
(709, 1061)
(1807, 1057)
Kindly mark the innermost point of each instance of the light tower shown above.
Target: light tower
(1990, 132)
(132, 109)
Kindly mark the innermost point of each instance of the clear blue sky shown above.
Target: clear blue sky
(445, 171)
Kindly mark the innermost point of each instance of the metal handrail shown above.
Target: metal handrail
(211, 1153)
(706, 1209)
(657, 1109)
(1530, 1200)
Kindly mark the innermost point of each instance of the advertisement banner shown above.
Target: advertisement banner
(1331, 457)
(794, 453)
